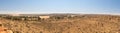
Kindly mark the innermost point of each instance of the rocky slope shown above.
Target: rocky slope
(79, 24)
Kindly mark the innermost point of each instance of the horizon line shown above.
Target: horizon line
(67, 13)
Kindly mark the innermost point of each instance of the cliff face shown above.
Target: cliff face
(77, 24)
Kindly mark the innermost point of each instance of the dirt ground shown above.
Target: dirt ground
(81, 24)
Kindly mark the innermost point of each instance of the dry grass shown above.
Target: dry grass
(79, 24)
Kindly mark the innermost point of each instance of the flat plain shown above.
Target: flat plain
(62, 23)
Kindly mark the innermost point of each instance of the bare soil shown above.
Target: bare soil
(81, 24)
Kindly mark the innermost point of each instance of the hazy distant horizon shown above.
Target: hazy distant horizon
(63, 13)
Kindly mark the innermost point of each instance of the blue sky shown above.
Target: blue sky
(59, 6)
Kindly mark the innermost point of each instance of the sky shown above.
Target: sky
(59, 6)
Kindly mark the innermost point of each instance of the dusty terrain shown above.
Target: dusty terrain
(77, 24)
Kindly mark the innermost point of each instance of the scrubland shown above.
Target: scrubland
(59, 24)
